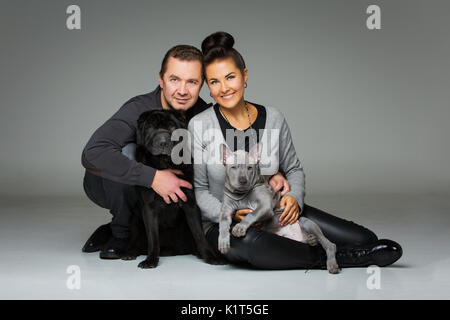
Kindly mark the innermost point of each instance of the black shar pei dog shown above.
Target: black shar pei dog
(158, 228)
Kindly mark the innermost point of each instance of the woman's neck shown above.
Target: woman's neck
(238, 115)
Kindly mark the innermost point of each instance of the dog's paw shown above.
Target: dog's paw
(239, 230)
(311, 240)
(224, 243)
(332, 266)
(149, 263)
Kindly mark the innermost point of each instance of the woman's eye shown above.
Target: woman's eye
(230, 78)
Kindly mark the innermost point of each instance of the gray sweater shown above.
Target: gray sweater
(209, 173)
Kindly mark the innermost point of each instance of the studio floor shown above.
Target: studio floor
(41, 258)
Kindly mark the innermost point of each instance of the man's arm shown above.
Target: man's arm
(103, 152)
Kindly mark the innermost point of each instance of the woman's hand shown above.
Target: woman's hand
(278, 182)
(291, 210)
(240, 214)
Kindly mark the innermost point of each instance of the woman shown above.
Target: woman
(226, 76)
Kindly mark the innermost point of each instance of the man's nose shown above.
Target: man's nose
(242, 180)
(182, 89)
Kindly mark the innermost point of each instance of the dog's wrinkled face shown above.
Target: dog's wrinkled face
(155, 128)
(241, 167)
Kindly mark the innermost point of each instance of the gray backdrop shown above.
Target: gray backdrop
(368, 109)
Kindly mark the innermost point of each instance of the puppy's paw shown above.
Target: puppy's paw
(224, 243)
(332, 266)
(149, 263)
(239, 230)
(311, 240)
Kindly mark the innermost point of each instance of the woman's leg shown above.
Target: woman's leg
(339, 231)
(265, 250)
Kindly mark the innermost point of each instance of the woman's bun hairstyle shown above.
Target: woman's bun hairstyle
(219, 45)
(218, 39)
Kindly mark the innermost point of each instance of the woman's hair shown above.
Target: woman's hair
(219, 45)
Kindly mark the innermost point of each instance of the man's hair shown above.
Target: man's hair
(184, 53)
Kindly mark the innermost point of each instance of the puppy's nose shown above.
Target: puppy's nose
(242, 180)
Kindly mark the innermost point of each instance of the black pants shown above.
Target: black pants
(264, 250)
(119, 198)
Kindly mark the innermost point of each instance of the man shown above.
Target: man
(111, 173)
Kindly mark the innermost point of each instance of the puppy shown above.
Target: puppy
(245, 187)
(157, 227)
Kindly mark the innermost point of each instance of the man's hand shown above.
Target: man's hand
(278, 182)
(167, 185)
(291, 210)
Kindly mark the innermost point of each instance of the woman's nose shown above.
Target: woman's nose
(224, 88)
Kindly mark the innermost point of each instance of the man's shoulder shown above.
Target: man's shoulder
(147, 100)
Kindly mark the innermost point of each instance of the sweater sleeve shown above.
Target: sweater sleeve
(103, 152)
(209, 205)
(291, 166)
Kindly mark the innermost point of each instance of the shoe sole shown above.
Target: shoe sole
(109, 256)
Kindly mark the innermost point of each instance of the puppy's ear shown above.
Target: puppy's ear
(225, 153)
(255, 153)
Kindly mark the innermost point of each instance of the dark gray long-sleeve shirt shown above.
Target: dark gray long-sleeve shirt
(103, 156)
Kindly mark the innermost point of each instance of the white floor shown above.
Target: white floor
(40, 238)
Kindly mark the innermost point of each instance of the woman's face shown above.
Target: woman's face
(226, 82)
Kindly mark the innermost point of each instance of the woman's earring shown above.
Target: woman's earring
(245, 85)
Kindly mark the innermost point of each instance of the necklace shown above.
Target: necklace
(255, 141)
(248, 115)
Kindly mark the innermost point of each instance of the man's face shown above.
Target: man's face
(181, 83)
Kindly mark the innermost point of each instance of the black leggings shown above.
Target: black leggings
(265, 250)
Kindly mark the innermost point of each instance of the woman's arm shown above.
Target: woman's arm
(208, 204)
(291, 166)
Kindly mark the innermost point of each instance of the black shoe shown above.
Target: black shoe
(98, 239)
(381, 253)
(114, 249)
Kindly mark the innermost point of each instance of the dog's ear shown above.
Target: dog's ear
(255, 153)
(225, 153)
(140, 128)
(179, 119)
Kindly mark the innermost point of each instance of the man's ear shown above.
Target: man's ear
(225, 153)
(160, 80)
(255, 152)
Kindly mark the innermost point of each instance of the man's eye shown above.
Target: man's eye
(173, 79)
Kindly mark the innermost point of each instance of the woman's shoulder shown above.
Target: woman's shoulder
(273, 115)
(206, 115)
